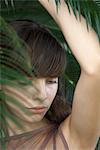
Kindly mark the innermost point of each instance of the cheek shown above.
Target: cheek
(52, 92)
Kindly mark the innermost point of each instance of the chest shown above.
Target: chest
(50, 139)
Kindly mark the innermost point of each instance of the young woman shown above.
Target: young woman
(55, 126)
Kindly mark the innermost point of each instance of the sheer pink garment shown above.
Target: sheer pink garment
(38, 139)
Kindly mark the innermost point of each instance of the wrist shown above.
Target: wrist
(62, 14)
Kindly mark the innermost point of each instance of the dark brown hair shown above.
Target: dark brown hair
(48, 59)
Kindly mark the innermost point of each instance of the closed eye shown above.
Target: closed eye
(52, 81)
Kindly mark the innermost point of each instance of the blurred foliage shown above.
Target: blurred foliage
(13, 69)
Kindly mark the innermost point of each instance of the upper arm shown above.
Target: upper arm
(84, 123)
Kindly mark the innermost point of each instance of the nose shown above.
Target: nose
(41, 93)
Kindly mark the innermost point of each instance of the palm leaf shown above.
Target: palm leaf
(11, 44)
(89, 9)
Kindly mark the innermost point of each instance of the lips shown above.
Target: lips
(38, 110)
(38, 107)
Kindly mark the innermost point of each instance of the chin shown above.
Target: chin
(34, 119)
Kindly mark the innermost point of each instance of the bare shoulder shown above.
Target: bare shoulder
(65, 129)
(72, 142)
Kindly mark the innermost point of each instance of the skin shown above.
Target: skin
(41, 93)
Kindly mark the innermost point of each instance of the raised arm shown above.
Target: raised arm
(84, 123)
(81, 42)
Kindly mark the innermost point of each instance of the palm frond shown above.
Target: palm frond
(7, 3)
(89, 9)
(13, 67)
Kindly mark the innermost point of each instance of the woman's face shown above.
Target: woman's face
(40, 94)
